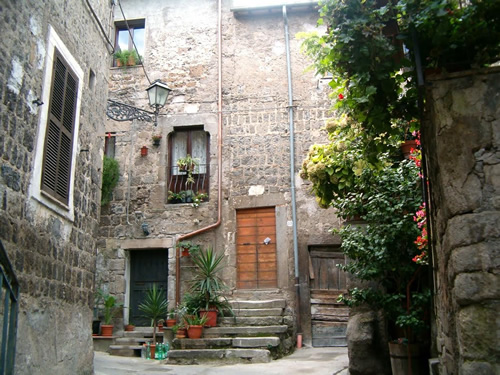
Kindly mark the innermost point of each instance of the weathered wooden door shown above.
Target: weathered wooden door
(327, 281)
(146, 267)
(256, 248)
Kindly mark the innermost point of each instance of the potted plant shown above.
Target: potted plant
(180, 331)
(129, 327)
(198, 198)
(188, 248)
(156, 139)
(195, 326)
(188, 164)
(171, 318)
(208, 284)
(110, 309)
(154, 307)
(126, 58)
(175, 198)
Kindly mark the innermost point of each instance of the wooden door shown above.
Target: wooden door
(327, 281)
(146, 268)
(256, 248)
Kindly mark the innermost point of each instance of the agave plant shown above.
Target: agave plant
(154, 307)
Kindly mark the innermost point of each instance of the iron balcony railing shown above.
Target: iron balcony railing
(9, 294)
(181, 183)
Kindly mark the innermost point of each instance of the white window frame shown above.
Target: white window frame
(35, 192)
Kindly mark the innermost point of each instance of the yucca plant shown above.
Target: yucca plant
(207, 281)
(154, 307)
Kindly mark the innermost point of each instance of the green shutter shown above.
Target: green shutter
(56, 170)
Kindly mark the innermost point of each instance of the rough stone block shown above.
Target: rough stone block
(477, 335)
(476, 287)
(472, 228)
(479, 368)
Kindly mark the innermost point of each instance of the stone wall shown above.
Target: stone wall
(53, 256)
(461, 139)
(181, 50)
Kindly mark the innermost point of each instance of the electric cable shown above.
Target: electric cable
(133, 42)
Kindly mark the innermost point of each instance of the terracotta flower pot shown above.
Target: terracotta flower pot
(129, 327)
(107, 330)
(171, 322)
(211, 314)
(195, 332)
(406, 147)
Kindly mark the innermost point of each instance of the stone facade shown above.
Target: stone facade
(462, 138)
(181, 49)
(51, 247)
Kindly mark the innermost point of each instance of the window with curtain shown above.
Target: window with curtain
(193, 142)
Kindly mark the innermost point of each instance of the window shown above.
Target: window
(195, 143)
(109, 145)
(125, 40)
(53, 172)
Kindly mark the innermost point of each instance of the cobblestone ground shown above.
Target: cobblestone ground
(311, 361)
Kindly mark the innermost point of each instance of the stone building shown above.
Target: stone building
(53, 90)
(230, 107)
(462, 137)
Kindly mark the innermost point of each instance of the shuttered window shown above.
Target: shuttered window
(56, 170)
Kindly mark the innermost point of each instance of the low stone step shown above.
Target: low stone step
(255, 342)
(226, 342)
(204, 343)
(200, 356)
(276, 311)
(329, 341)
(125, 350)
(264, 304)
(242, 331)
(132, 340)
(251, 321)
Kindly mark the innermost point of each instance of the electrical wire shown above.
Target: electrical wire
(132, 38)
(100, 26)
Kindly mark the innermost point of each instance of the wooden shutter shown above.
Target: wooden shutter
(256, 261)
(56, 170)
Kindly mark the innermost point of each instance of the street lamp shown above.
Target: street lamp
(158, 94)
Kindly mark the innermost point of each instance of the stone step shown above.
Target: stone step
(244, 331)
(226, 356)
(226, 342)
(132, 340)
(264, 304)
(276, 311)
(329, 341)
(125, 350)
(251, 321)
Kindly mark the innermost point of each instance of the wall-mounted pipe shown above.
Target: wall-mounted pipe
(292, 166)
(219, 164)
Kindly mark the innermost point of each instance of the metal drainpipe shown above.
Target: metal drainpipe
(219, 166)
(292, 169)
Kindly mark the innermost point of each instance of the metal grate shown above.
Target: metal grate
(178, 180)
(9, 293)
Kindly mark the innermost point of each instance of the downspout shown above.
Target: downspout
(219, 167)
(292, 171)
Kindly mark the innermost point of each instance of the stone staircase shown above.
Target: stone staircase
(130, 344)
(259, 332)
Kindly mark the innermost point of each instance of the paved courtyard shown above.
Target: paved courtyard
(310, 361)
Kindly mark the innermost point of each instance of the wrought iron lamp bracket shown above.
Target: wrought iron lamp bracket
(123, 112)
